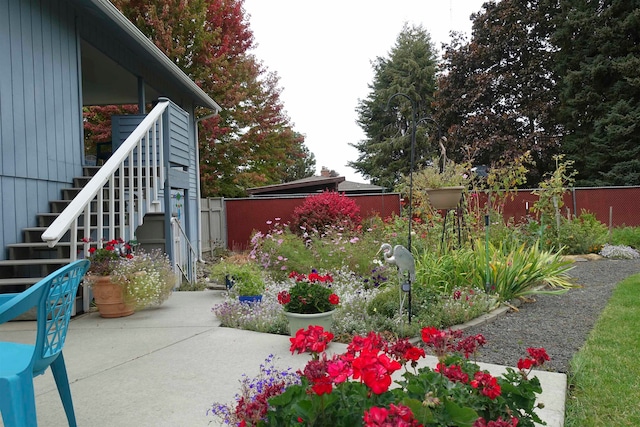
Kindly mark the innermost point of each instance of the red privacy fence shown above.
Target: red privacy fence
(246, 215)
(615, 206)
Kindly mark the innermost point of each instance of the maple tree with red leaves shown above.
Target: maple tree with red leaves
(251, 142)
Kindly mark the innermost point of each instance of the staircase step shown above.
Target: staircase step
(30, 268)
(34, 234)
(57, 206)
(71, 192)
(46, 219)
(17, 284)
(38, 250)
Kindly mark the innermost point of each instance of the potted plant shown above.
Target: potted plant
(241, 276)
(147, 278)
(108, 294)
(123, 280)
(309, 301)
(442, 184)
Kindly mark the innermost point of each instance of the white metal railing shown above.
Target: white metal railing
(184, 253)
(138, 167)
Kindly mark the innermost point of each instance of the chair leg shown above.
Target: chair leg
(59, 371)
(18, 405)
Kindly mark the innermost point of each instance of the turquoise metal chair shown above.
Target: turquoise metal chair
(53, 297)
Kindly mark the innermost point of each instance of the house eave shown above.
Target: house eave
(317, 183)
(129, 30)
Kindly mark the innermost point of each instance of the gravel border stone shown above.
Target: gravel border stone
(559, 323)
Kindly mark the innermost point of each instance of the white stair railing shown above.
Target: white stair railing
(138, 167)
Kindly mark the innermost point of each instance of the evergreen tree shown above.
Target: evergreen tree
(496, 94)
(599, 59)
(410, 69)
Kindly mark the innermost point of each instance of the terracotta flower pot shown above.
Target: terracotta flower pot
(109, 297)
(299, 321)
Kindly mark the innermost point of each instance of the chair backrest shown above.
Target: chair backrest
(54, 307)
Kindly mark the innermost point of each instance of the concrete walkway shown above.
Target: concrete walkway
(166, 366)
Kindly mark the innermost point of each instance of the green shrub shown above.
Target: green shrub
(582, 235)
(326, 209)
(387, 302)
(279, 251)
(242, 272)
(626, 236)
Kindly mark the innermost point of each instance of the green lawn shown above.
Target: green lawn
(605, 381)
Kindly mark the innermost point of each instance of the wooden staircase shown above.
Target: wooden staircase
(32, 259)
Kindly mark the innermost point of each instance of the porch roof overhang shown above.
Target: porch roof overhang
(313, 184)
(105, 68)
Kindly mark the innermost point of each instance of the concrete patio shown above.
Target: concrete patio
(166, 366)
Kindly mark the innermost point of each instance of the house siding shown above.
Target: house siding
(182, 153)
(40, 120)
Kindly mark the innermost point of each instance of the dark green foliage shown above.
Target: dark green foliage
(103, 262)
(582, 235)
(410, 69)
(627, 236)
(387, 302)
(599, 59)
(496, 96)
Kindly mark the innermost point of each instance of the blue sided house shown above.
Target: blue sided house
(56, 57)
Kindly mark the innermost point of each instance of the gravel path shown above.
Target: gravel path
(561, 323)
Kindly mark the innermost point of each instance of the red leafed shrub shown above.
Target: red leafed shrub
(320, 211)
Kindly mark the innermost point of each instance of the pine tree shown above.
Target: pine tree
(599, 59)
(410, 69)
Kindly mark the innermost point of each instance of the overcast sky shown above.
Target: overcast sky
(322, 52)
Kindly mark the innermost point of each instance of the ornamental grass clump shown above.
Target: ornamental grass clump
(357, 388)
(310, 294)
(517, 272)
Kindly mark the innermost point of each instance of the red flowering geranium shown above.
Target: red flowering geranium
(313, 340)
(537, 356)
(355, 388)
(103, 260)
(309, 294)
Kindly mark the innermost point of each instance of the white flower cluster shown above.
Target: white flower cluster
(619, 252)
(148, 278)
